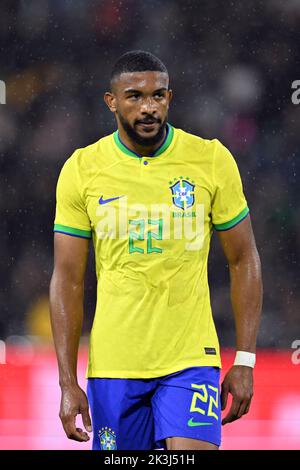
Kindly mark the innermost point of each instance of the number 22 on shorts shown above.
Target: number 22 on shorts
(205, 394)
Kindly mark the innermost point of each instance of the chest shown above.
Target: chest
(147, 206)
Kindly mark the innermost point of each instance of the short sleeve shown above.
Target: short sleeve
(71, 217)
(229, 206)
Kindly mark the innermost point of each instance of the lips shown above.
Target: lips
(147, 125)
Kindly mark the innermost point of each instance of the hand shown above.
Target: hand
(73, 402)
(239, 382)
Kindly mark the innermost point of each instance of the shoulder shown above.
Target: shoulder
(212, 146)
(94, 154)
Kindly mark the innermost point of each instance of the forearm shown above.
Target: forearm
(246, 299)
(66, 308)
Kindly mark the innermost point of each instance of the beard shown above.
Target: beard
(144, 141)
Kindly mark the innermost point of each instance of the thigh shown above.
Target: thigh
(121, 414)
(187, 405)
(183, 443)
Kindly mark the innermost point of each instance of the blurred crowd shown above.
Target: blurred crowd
(231, 66)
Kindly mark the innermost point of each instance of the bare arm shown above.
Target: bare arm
(240, 250)
(66, 307)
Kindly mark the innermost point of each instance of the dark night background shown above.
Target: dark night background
(231, 66)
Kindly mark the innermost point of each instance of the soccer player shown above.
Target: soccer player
(149, 195)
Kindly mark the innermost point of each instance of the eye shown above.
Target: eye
(133, 97)
(159, 95)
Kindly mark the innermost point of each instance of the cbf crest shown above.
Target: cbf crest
(182, 192)
(107, 439)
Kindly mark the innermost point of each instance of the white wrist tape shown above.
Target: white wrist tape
(243, 358)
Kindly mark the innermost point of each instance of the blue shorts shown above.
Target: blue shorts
(139, 414)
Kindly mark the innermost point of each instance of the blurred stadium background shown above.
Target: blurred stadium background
(231, 65)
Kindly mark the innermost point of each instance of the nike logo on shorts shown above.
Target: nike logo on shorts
(195, 423)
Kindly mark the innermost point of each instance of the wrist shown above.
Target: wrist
(244, 358)
(68, 383)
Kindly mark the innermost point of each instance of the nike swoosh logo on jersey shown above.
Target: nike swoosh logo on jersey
(193, 423)
(105, 201)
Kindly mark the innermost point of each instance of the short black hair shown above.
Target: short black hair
(137, 61)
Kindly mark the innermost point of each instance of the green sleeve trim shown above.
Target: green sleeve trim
(231, 223)
(76, 232)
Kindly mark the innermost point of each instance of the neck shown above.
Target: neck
(138, 148)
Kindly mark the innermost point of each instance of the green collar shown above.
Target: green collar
(166, 143)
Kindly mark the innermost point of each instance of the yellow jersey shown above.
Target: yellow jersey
(151, 219)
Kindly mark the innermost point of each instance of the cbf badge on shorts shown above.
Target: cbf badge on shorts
(107, 439)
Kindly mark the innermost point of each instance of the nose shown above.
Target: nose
(148, 106)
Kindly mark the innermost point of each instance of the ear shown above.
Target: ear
(170, 95)
(110, 100)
